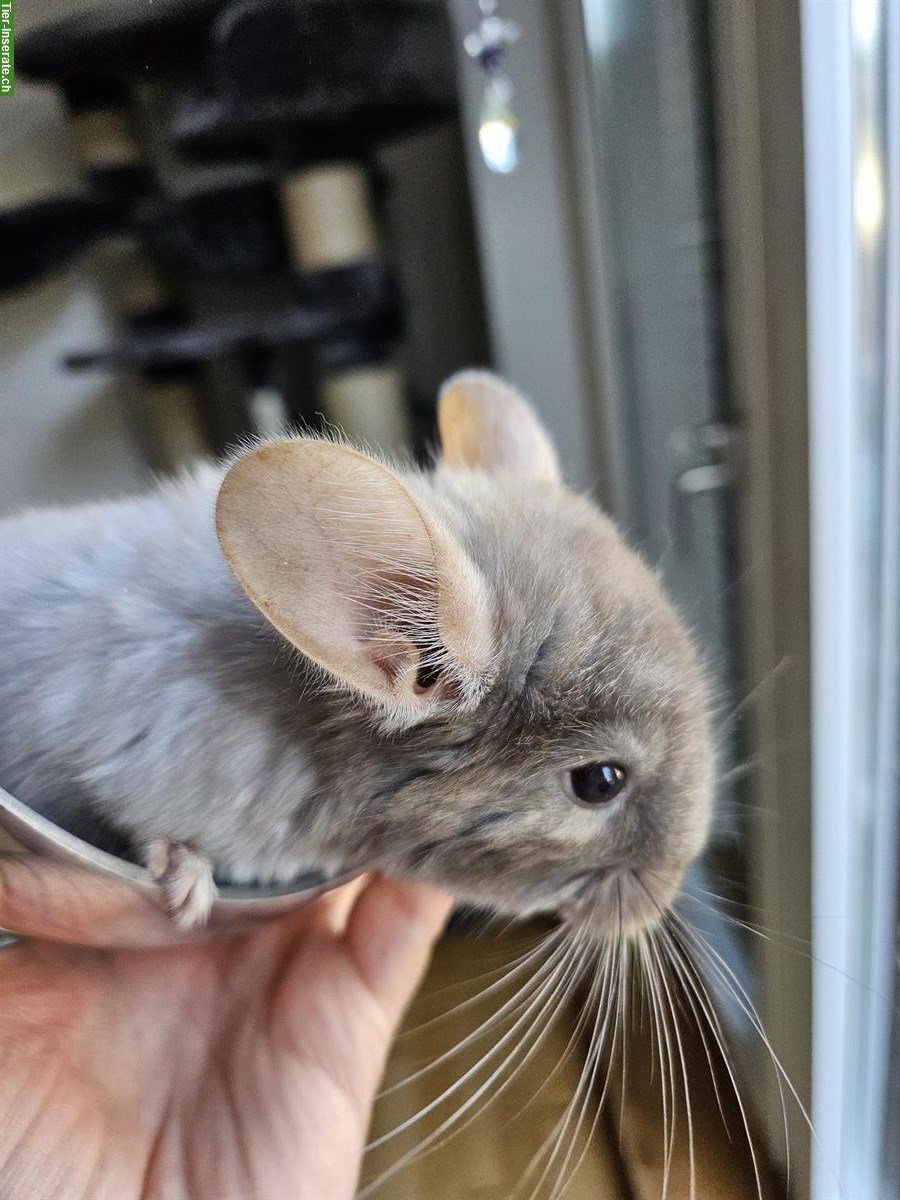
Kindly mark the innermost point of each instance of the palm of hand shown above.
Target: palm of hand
(235, 1068)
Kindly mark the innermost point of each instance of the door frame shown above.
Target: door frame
(552, 202)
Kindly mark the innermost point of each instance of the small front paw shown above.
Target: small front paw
(186, 879)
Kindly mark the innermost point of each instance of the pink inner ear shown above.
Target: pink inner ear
(427, 678)
(396, 609)
(394, 657)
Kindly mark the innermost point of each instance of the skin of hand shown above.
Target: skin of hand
(234, 1068)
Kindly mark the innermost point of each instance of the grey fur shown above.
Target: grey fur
(142, 692)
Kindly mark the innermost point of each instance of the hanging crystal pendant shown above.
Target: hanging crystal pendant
(498, 129)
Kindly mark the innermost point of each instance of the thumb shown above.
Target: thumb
(390, 935)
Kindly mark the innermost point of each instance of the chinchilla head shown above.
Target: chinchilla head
(523, 718)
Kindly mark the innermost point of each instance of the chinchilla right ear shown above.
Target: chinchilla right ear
(334, 550)
(485, 424)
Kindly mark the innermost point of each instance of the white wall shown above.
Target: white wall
(62, 436)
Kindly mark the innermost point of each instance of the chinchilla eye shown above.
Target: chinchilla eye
(598, 783)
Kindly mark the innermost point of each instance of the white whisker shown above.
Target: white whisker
(655, 1020)
(596, 1051)
(605, 975)
(517, 1001)
(516, 968)
(570, 965)
(588, 1006)
(734, 988)
(684, 1075)
(673, 954)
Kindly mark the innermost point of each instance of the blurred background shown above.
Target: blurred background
(674, 224)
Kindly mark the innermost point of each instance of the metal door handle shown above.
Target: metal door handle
(701, 479)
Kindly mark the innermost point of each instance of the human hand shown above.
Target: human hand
(241, 1067)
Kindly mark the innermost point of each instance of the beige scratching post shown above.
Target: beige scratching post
(103, 139)
(330, 223)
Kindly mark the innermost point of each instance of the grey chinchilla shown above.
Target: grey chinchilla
(308, 659)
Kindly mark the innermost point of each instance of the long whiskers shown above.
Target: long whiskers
(622, 965)
(774, 936)
(666, 918)
(567, 968)
(673, 958)
(736, 990)
(510, 1007)
(590, 1005)
(679, 1045)
(667, 1090)
(515, 969)
(675, 972)
(695, 984)
(586, 1080)
(598, 999)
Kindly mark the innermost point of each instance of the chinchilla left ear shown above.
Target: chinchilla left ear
(332, 547)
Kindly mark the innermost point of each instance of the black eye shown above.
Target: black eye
(598, 783)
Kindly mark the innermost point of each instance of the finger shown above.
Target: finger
(390, 935)
(331, 911)
(325, 915)
(63, 903)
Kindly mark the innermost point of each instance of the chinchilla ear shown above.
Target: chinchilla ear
(485, 424)
(334, 550)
